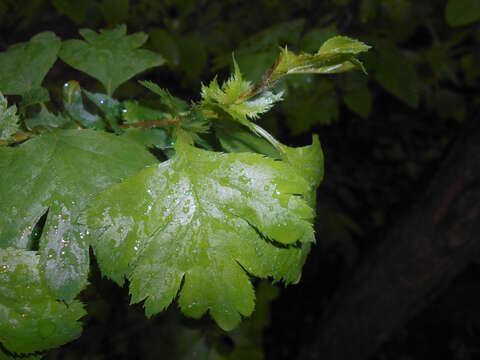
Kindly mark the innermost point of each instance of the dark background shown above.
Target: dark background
(384, 135)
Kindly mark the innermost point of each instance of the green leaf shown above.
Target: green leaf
(35, 96)
(73, 9)
(205, 217)
(73, 104)
(24, 65)
(229, 98)
(149, 137)
(133, 112)
(31, 319)
(46, 119)
(335, 55)
(8, 119)
(110, 56)
(359, 101)
(462, 12)
(397, 74)
(166, 45)
(109, 106)
(173, 104)
(60, 172)
(115, 12)
(309, 163)
(234, 138)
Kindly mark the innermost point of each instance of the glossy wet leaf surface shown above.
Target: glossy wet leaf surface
(30, 318)
(207, 218)
(111, 56)
(24, 65)
(60, 172)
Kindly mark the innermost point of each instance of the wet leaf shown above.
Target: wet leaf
(31, 319)
(60, 172)
(24, 65)
(205, 217)
(111, 56)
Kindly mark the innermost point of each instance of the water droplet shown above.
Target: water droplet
(66, 84)
(4, 268)
(124, 110)
(102, 101)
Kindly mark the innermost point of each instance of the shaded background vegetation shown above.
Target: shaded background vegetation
(383, 135)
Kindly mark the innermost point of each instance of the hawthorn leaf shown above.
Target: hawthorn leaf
(309, 163)
(109, 106)
(31, 319)
(207, 218)
(24, 65)
(397, 74)
(158, 138)
(8, 119)
(133, 112)
(60, 172)
(74, 106)
(75, 10)
(228, 97)
(35, 96)
(335, 55)
(235, 138)
(46, 119)
(111, 56)
(173, 104)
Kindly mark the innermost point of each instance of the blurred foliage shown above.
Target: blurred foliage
(384, 133)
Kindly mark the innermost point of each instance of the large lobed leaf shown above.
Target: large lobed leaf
(60, 172)
(31, 319)
(205, 218)
(24, 65)
(110, 56)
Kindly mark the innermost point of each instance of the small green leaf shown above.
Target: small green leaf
(8, 119)
(60, 172)
(205, 217)
(166, 45)
(31, 319)
(24, 65)
(73, 104)
(149, 137)
(35, 96)
(110, 56)
(397, 74)
(46, 119)
(109, 106)
(229, 98)
(73, 9)
(335, 55)
(115, 12)
(359, 101)
(173, 104)
(234, 138)
(133, 112)
(462, 12)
